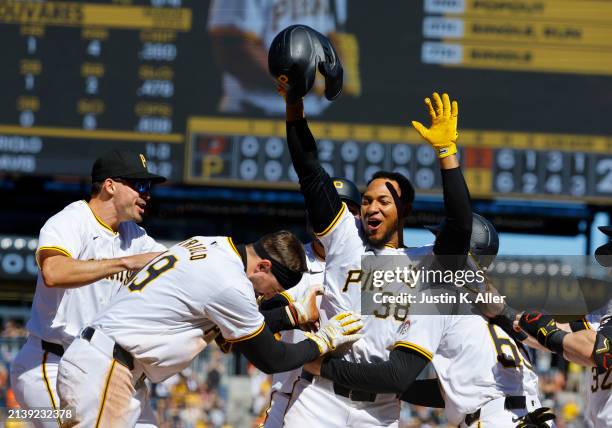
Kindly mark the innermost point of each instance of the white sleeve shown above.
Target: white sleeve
(148, 244)
(246, 16)
(235, 312)
(422, 333)
(61, 233)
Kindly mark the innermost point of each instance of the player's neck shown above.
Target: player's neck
(318, 249)
(105, 212)
(251, 259)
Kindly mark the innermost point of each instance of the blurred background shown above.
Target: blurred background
(185, 83)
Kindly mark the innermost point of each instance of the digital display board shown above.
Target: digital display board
(186, 83)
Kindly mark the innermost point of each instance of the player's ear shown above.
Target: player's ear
(264, 265)
(109, 186)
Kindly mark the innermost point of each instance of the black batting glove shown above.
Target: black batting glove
(544, 328)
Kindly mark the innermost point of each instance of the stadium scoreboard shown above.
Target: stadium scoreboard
(531, 76)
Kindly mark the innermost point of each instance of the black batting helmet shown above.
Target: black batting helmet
(484, 242)
(348, 191)
(293, 59)
(603, 254)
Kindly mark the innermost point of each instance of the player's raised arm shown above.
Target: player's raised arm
(454, 236)
(294, 57)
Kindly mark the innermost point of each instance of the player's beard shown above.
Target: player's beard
(380, 242)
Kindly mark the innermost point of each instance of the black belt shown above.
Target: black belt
(351, 394)
(119, 354)
(54, 348)
(511, 402)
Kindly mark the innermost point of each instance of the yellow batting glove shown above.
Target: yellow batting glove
(442, 134)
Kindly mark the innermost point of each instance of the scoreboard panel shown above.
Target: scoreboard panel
(532, 77)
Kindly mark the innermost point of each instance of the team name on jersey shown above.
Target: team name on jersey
(197, 250)
(122, 277)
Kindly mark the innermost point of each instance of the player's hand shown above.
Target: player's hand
(539, 418)
(138, 261)
(544, 328)
(442, 134)
(307, 311)
(314, 367)
(342, 329)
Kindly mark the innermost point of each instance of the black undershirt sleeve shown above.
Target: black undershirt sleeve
(277, 319)
(454, 237)
(276, 301)
(273, 356)
(393, 376)
(424, 392)
(320, 195)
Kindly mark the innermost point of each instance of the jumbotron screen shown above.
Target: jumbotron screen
(186, 83)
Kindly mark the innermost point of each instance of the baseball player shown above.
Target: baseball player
(283, 383)
(501, 392)
(586, 343)
(85, 254)
(171, 310)
(241, 32)
(385, 204)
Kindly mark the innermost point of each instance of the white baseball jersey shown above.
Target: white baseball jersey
(344, 246)
(316, 268)
(598, 397)
(262, 20)
(475, 360)
(177, 304)
(59, 314)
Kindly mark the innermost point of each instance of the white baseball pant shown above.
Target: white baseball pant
(33, 379)
(494, 414)
(315, 404)
(101, 391)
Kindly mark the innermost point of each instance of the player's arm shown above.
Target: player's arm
(282, 313)
(392, 376)
(320, 196)
(586, 347)
(241, 54)
(454, 237)
(424, 392)
(234, 30)
(60, 270)
(273, 356)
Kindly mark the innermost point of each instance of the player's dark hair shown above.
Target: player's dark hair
(285, 248)
(96, 187)
(406, 188)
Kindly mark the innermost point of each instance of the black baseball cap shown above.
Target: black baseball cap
(123, 164)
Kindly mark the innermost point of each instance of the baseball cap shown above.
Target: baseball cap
(123, 164)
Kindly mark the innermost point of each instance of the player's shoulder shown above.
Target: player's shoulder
(346, 229)
(131, 230)
(72, 215)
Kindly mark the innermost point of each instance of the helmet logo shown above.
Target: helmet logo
(143, 160)
(338, 184)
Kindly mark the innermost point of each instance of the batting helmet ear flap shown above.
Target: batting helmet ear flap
(331, 68)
